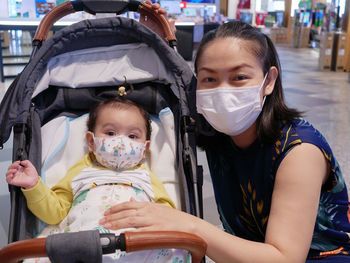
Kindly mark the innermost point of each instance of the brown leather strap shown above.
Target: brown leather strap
(136, 241)
(50, 18)
(16, 251)
(160, 21)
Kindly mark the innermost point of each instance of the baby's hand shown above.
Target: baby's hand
(23, 174)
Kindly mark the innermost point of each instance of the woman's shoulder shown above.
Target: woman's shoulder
(301, 131)
(296, 132)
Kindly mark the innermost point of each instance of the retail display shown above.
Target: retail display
(301, 36)
(326, 46)
(301, 26)
(338, 54)
(279, 35)
(4, 37)
(260, 19)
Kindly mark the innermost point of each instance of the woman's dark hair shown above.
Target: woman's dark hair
(275, 109)
(118, 103)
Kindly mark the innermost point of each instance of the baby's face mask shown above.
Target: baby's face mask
(118, 152)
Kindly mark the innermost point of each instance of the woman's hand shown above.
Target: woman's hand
(146, 216)
(23, 174)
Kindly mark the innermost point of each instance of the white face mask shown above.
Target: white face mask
(119, 152)
(230, 110)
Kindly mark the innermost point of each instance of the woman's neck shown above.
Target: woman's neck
(245, 139)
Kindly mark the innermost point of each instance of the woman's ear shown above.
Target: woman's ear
(90, 141)
(270, 81)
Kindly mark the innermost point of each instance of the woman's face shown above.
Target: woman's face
(227, 62)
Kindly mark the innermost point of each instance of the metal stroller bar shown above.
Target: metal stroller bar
(195, 174)
(101, 6)
(20, 138)
(108, 243)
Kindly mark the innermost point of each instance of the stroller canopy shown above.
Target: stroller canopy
(88, 34)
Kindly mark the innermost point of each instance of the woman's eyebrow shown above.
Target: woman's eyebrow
(240, 66)
(234, 68)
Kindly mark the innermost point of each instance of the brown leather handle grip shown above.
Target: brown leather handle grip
(160, 21)
(29, 248)
(136, 241)
(50, 18)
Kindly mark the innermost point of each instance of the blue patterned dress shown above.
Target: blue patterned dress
(243, 183)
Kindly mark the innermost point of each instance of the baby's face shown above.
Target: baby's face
(128, 122)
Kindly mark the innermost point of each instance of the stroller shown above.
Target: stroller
(46, 106)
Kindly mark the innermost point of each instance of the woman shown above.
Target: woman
(279, 191)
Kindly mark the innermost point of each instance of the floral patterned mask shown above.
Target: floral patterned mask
(119, 152)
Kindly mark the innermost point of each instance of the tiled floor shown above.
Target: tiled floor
(323, 96)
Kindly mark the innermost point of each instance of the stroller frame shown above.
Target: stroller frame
(18, 111)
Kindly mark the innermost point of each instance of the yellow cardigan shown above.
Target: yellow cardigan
(52, 205)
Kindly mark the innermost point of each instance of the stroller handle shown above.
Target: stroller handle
(128, 241)
(17, 251)
(136, 241)
(104, 6)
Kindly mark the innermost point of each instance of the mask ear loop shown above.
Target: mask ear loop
(93, 136)
(262, 87)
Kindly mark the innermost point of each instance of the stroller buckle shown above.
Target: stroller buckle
(20, 154)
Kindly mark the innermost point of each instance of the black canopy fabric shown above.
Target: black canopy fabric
(15, 107)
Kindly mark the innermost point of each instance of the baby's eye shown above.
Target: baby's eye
(132, 136)
(111, 133)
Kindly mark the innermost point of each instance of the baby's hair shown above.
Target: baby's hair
(118, 103)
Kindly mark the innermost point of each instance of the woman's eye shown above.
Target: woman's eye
(209, 79)
(110, 133)
(240, 78)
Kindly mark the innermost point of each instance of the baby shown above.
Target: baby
(118, 138)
